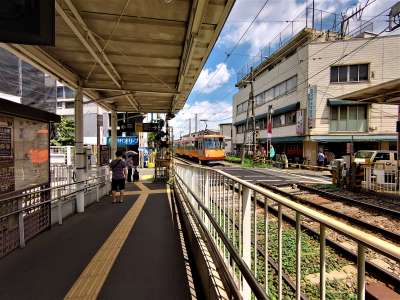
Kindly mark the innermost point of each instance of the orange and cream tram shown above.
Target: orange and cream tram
(204, 148)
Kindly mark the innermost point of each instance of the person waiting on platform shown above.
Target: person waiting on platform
(118, 168)
(129, 164)
(320, 158)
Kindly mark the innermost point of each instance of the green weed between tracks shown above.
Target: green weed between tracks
(310, 258)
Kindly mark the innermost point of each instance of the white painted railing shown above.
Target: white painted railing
(227, 209)
(381, 180)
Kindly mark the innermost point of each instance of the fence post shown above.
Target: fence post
(59, 207)
(246, 236)
(21, 225)
(207, 195)
(98, 190)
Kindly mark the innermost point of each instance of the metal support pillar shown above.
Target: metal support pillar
(80, 156)
(113, 133)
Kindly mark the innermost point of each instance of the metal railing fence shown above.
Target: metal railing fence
(36, 204)
(226, 206)
(381, 180)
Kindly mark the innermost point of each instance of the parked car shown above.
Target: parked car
(364, 157)
(372, 156)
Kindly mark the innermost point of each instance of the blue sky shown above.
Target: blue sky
(212, 95)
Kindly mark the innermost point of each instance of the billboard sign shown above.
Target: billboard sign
(312, 105)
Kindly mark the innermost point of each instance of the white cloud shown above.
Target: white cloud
(215, 112)
(209, 80)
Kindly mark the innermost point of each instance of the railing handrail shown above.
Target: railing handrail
(50, 189)
(367, 239)
(50, 200)
(244, 269)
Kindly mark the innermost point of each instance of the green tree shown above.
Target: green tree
(65, 133)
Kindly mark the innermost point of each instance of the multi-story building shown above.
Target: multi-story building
(297, 88)
(91, 111)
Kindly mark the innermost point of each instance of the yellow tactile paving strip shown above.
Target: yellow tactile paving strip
(91, 280)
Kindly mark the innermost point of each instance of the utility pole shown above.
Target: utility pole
(247, 120)
(190, 126)
(253, 115)
(195, 123)
(313, 14)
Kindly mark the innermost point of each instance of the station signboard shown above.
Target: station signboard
(123, 141)
(146, 127)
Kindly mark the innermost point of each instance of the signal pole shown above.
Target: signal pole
(195, 123)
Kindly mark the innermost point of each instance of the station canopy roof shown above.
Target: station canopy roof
(384, 93)
(131, 55)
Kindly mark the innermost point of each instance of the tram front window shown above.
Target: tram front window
(214, 143)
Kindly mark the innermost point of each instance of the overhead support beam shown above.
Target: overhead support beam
(78, 17)
(154, 93)
(113, 74)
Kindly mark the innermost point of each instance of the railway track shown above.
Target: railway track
(364, 200)
(313, 199)
(377, 271)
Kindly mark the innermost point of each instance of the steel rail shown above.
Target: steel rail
(363, 240)
(244, 269)
(370, 267)
(271, 261)
(389, 211)
(371, 241)
(395, 237)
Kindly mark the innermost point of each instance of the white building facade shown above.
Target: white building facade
(297, 87)
(91, 111)
(226, 130)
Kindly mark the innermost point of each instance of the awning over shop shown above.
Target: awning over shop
(355, 138)
(285, 109)
(384, 93)
(285, 139)
(282, 110)
(337, 102)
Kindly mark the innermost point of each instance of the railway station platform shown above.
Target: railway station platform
(129, 250)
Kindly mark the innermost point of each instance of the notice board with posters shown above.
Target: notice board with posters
(24, 153)
(24, 147)
(104, 155)
(7, 176)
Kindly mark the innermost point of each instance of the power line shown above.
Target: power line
(320, 50)
(229, 54)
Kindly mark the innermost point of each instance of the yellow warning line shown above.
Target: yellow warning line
(91, 280)
(162, 191)
(142, 187)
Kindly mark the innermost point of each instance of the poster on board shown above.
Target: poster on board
(7, 176)
(24, 153)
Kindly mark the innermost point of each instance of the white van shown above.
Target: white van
(372, 156)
